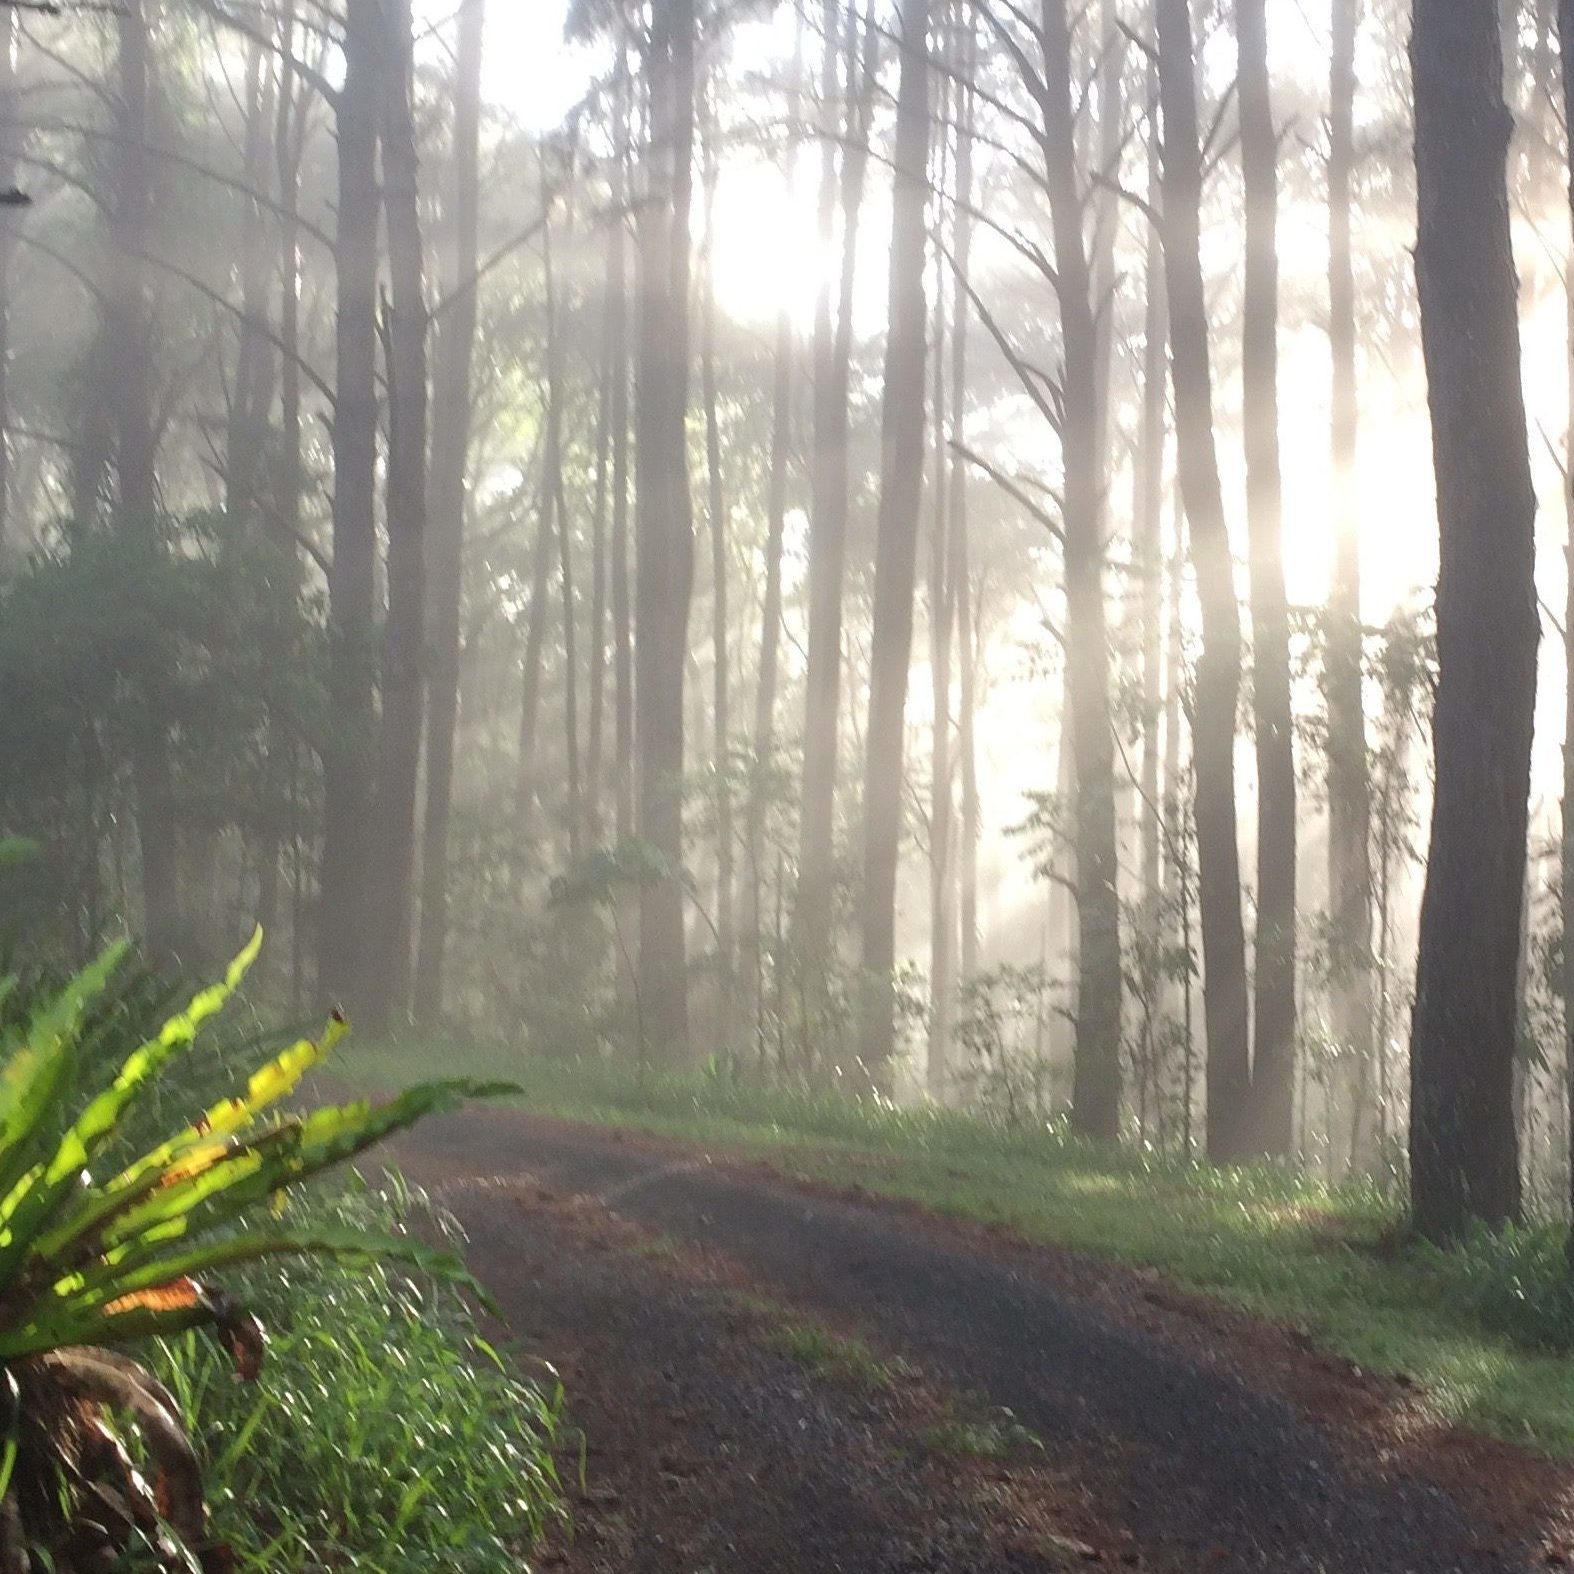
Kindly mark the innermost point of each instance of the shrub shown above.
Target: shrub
(387, 1433)
(98, 1247)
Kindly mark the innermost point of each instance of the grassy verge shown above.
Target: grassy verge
(1484, 1333)
(383, 1434)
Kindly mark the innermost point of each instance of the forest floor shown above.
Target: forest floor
(771, 1373)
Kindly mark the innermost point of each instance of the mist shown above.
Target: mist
(766, 548)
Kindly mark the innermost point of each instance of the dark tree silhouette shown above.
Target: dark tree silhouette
(1463, 1146)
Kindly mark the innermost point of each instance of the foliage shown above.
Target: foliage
(101, 1242)
(181, 630)
(388, 1434)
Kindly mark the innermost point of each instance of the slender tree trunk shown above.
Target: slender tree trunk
(1349, 778)
(128, 333)
(454, 354)
(1273, 1068)
(289, 134)
(664, 538)
(618, 370)
(1150, 540)
(350, 755)
(967, 609)
(11, 137)
(950, 504)
(548, 498)
(596, 640)
(1463, 1154)
(785, 367)
(573, 805)
(896, 547)
(387, 986)
(1566, 892)
(1225, 1005)
(814, 906)
(721, 692)
(251, 397)
(1096, 1070)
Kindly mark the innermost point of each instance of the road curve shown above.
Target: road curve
(1201, 1466)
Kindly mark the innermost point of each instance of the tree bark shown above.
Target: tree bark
(386, 988)
(1463, 1152)
(11, 137)
(1273, 1066)
(618, 370)
(896, 547)
(1566, 886)
(128, 338)
(721, 691)
(1225, 1005)
(664, 543)
(251, 397)
(950, 485)
(814, 904)
(1349, 777)
(350, 753)
(1149, 513)
(1096, 1070)
(454, 354)
(765, 698)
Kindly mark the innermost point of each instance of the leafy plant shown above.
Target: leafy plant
(96, 1249)
(434, 1453)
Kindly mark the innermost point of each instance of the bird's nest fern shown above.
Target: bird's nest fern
(97, 1470)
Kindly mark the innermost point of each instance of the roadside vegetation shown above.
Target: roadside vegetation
(143, 1221)
(388, 1434)
(1482, 1333)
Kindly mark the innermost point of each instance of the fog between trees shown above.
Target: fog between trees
(941, 548)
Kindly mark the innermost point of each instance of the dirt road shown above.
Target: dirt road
(771, 1377)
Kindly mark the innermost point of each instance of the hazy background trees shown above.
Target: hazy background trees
(886, 545)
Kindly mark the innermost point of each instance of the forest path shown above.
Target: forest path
(773, 1377)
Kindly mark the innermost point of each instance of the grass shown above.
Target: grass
(986, 1434)
(384, 1433)
(839, 1358)
(1483, 1333)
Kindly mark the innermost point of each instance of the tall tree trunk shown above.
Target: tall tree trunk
(596, 638)
(896, 547)
(128, 332)
(1225, 1006)
(573, 814)
(1566, 889)
(721, 692)
(618, 370)
(1349, 778)
(1463, 1154)
(11, 137)
(1149, 514)
(289, 135)
(1273, 1067)
(951, 485)
(967, 616)
(765, 697)
(454, 353)
(814, 905)
(1096, 1071)
(387, 987)
(251, 396)
(350, 754)
(549, 494)
(664, 545)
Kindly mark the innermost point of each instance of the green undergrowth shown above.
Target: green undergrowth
(1481, 1335)
(384, 1433)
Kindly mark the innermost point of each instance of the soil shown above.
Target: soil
(764, 1374)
